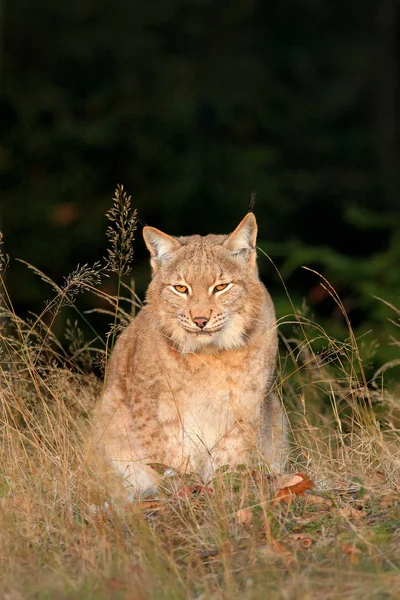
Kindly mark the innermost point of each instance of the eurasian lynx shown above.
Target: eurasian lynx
(189, 378)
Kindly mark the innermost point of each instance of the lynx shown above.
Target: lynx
(189, 378)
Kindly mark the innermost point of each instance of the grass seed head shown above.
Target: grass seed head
(121, 233)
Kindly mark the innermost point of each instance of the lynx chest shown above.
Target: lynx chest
(209, 406)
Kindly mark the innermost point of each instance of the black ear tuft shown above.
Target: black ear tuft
(252, 202)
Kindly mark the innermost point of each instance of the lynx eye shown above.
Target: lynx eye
(220, 287)
(182, 289)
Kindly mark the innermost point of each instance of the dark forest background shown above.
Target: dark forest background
(193, 105)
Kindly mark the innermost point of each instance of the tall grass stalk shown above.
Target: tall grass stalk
(121, 235)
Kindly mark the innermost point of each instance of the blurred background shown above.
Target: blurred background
(192, 106)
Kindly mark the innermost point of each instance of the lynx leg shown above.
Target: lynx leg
(139, 479)
(117, 435)
(233, 449)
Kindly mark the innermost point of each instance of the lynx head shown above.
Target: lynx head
(205, 292)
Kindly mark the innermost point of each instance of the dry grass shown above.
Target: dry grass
(60, 539)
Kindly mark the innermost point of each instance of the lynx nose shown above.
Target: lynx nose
(200, 321)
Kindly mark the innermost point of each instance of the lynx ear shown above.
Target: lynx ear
(244, 237)
(160, 245)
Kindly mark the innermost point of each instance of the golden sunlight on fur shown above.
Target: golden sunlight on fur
(189, 378)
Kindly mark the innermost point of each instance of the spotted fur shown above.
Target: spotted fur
(189, 380)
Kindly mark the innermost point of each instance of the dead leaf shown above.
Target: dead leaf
(151, 505)
(292, 485)
(226, 547)
(244, 516)
(352, 552)
(304, 540)
(317, 500)
(208, 553)
(159, 468)
(136, 570)
(308, 518)
(288, 480)
(366, 498)
(194, 490)
(281, 550)
(353, 513)
(389, 499)
(116, 584)
(261, 477)
(275, 549)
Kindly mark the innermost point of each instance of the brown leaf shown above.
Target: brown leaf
(116, 584)
(304, 540)
(292, 485)
(260, 477)
(317, 500)
(288, 480)
(389, 499)
(226, 547)
(353, 513)
(307, 518)
(136, 570)
(159, 468)
(366, 498)
(275, 549)
(352, 552)
(150, 505)
(208, 553)
(194, 490)
(244, 516)
(281, 550)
